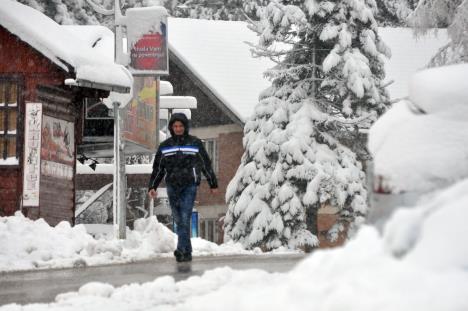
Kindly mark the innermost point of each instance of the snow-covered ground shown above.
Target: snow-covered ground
(418, 263)
(28, 244)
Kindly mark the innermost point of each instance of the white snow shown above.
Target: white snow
(62, 46)
(9, 161)
(100, 38)
(216, 52)
(371, 272)
(109, 169)
(422, 152)
(409, 55)
(178, 102)
(28, 244)
(165, 88)
(442, 90)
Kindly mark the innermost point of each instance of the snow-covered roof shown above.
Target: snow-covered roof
(63, 47)
(216, 53)
(409, 55)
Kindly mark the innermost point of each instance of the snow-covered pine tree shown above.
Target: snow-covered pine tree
(233, 10)
(394, 12)
(452, 14)
(325, 88)
(65, 12)
(73, 12)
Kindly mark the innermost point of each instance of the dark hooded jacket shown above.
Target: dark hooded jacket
(181, 159)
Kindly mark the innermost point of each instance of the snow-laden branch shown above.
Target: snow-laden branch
(352, 121)
(100, 9)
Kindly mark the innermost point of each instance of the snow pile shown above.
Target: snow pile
(433, 235)
(29, 244)
(421, 145)
(418, 152)
(442, 90)
(369, 273)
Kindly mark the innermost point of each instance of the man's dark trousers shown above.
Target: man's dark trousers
(181, 200)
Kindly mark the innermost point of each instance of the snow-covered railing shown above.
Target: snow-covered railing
(92, 199)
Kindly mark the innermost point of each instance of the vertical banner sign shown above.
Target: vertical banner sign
(139, 116)
(57, 148)
(32, 154)
(147, 41)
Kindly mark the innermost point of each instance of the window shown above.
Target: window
(211, 147)
(97, 121)
(8, 118)
(96, 110)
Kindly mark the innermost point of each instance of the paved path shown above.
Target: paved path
(44, 285)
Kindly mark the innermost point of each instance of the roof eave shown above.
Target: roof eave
(102, 86)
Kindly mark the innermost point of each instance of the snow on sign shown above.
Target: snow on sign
(32, 158)
(147, 41)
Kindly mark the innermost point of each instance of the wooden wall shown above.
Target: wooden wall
(57, 195)
(41, 81)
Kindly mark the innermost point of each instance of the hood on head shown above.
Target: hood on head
(179, 117)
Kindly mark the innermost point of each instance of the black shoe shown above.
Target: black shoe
(179, 255)
(187, 257)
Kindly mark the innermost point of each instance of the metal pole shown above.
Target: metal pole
(158, 101)
(115, 190)
(120, 182)
(151, 207)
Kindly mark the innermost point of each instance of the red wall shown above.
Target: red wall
(230, 152)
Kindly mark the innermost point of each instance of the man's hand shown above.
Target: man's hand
(214, 190)
(153, 193)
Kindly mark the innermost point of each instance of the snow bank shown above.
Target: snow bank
(416, 151)
(367, 274)
(434, 234)
(442, 90)
(28, 244)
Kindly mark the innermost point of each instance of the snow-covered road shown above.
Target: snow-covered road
(44, 285)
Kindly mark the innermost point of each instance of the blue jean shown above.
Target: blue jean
(181, 200)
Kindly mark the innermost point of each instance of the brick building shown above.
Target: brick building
(37, 56)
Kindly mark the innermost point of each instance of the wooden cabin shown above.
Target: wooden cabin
(37, 57)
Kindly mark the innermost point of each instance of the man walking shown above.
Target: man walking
(181, 159)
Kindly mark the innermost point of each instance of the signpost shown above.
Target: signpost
(147, 41)
(147, 60)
